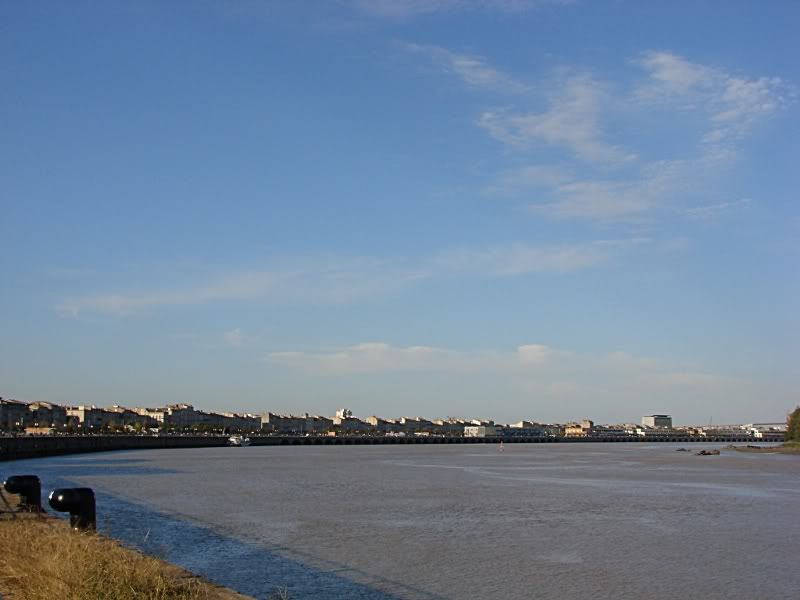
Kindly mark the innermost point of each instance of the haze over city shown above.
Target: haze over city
(530, 209)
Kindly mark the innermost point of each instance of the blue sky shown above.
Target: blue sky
(535, 209)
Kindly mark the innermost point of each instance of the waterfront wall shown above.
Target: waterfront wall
(12, 448)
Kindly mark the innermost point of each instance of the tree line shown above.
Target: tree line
(793, 426)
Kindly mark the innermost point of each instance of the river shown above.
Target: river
(456, 522)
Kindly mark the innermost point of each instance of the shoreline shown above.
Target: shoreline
(42, 557)
(25, 447)
(767, 449)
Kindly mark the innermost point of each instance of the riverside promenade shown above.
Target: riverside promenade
(13, 448)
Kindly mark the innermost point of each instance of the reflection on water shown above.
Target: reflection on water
(380, 522)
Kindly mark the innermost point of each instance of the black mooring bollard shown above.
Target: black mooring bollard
(79, 503)
(29, 489)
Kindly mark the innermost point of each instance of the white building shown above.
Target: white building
(482, 431)
(657, 421)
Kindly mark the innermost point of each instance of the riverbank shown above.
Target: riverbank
(42, 558)
(787, 448)
(22, 447)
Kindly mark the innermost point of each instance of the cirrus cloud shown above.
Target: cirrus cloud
(583, 117)
(403, 10)
(338, 280)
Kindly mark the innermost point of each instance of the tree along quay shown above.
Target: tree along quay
(12, 448)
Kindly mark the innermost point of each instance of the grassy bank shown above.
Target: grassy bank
(41, 558)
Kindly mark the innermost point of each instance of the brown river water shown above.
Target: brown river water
(456, 522)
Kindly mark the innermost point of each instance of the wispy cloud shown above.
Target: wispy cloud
(615, 184)
(233, 337)
(213, 340)
(69, 272)
(733, 104)
(369, 357)
(240, 285)
(520, 259)
(573, 121)
(712, 212)
(380, 357)
(343, 279)
(558, 372)
(560, 193)
(403, 10)
(672, 77)
(473, 70)
(536, 354)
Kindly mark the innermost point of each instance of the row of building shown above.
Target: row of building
(40, 417)
(46, 417)
(660, 426)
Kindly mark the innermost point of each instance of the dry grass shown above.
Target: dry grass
(43, 559)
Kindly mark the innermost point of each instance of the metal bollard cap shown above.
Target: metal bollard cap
(69, 499)
(20, 483)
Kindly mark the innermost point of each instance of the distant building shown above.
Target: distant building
(380, 425)
(526, 429)
(413, 425)
(284, 424)
(766, 432)
(657, 421)
(348, 425)
(158, 415)
(184, 416)
(46, 414)
(274, 423)
(611, 431)
(239, 422)
(210, 420)
(295, 425)
(90, 418)
(13, 414)
(39, 430)
(768, 436)
(128, 418)
(771, 427)
(574, 430)
(582, 429)
(449, 426)
(652, 432)
(317, 424)
(482, 431)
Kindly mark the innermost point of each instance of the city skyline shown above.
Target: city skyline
(47, 417)
(558, 209)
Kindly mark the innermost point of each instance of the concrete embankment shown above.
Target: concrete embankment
(12, 448)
